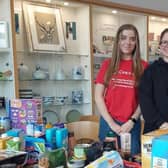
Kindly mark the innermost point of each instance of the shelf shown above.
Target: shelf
(4, 50)
(44, 53)
(67, 104)
(6, 80)
(154, 41)
(103, 55)
(55, 80)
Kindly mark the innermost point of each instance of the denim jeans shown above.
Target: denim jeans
(135, 135)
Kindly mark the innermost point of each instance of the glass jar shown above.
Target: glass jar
(4, 123)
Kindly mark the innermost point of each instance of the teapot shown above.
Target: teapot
(39, 73)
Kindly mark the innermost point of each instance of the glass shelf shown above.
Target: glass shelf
(54, 79)
(4, 50)
(45, 53)
(1, 80)
(109, 55)
(66, 104)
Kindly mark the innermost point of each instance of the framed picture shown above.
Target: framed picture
(19, 30)
(44, 27)
(108, 40)
(4, 39)
(17, 24)
(71, 30)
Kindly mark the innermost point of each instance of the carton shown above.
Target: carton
(146, 146)
(159, 152)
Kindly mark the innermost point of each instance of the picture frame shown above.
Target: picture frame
(108, 40)
(19, 30)
(4, 37)
(44, 27)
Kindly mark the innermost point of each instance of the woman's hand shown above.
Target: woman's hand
(164, 125)
(126, 127)
(116, 128)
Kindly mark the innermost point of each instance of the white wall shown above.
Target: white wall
(161, 5)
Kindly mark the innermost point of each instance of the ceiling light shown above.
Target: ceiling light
(66, 3)
(153, 18)
(114, 11)
(48, 1)
(163, 19)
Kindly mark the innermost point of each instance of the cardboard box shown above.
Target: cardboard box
(159, 152)
(146, 146)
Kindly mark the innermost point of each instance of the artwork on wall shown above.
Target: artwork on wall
(17, 25)
(44, 28)
(108, 40)
(71, 30)
(4, 39)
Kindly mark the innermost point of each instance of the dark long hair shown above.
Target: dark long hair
(137, 67)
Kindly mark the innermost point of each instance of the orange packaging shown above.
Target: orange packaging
(146, 146)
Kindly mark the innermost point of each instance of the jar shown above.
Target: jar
(4, 123)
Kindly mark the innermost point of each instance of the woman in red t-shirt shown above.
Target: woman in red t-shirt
(116, 87)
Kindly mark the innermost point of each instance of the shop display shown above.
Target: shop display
(24, 110)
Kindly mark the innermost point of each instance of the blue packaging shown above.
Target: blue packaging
(59, 125)
(50, 135)
(160, 152)
(15, 132)
(62, 138)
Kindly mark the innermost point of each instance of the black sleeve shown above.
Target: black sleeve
(148, 108)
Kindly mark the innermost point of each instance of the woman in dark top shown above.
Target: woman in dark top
(153, 90)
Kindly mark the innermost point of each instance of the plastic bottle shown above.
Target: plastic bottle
(125, 145)
(30, 128)
(62, 138)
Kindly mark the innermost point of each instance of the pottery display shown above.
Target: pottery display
(77, 72)
(40, 74)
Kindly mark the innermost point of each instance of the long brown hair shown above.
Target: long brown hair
(162, 34)
(137, 67)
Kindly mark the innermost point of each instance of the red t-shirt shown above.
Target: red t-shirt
(121, 94)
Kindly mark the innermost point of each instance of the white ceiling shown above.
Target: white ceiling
(159, 5)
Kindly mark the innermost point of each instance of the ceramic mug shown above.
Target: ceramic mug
(77, 72)
(77, 97)
(61, 100)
